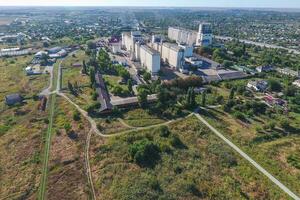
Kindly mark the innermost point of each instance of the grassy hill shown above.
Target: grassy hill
(182, 161)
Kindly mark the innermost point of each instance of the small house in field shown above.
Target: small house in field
(13, 99)
(77, 65)
(297, 83)
(266, 68)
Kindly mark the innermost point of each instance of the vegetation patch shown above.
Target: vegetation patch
(181, 161)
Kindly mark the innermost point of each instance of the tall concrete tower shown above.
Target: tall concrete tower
(204, 37)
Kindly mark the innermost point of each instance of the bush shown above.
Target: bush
(176, 142)
(76, 116)
(239, 116)
(294, 161)
(164, 131)
(3, 129)
(67, 127)
(284, 123)
(94, 96)
(145, 153)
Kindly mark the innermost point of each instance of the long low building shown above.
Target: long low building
(132, 101)
(14, 52)
(103, 96)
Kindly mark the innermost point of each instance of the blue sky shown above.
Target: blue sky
(186, 3)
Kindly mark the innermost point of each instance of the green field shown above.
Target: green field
(272, 153)
(140, 118)
(22, 129)
(190, 163)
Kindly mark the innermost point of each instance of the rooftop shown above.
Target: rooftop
(172, 46)
(182, 29)
(103, 96)
(150, 50)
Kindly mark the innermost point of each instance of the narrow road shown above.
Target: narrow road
(244, 155)
(259, 44)
(43, 184)
(87, 164)
(46, 92)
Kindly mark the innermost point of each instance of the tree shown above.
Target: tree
(84, 67)
(231, 95)
(92, 77)
(274, 85)
(91, 45)
(284, 123)
(46, 44)
(129, 85)
(70, 87)
(147, 76)
(76, 116)
(104, 60)
(191, 102)
(142, 97)
(144, 152)
(227, 63)
(203, 99)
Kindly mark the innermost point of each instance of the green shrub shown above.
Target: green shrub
(239, 116)
(76, 116)
(164, 131)
(3, 129)
(176, 142)
(294, 161)
(144, 152)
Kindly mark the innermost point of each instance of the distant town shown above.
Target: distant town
(140, 103)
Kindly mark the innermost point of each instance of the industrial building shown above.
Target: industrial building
(204, 36)
(182, 36)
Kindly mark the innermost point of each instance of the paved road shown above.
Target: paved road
(259, 44)
(244, 155)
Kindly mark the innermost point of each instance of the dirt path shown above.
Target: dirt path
(248, 158)
(87, 164)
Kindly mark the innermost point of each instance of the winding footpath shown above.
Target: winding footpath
(87, 164)
(94, 129)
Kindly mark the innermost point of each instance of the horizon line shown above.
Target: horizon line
(150, 6)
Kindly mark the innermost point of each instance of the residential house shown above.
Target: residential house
(13, 99)
(297, 83)
(258, 86)
(288, 72)
(266, 68)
